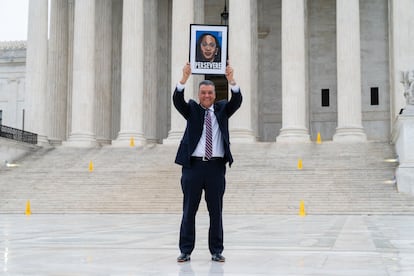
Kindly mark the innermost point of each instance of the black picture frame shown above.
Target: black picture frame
(208, 49)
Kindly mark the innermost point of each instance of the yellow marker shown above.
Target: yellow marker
(132, 142)
(318, 139)
(302, 211)
(28, 212)
(90, 166)
(300, 165)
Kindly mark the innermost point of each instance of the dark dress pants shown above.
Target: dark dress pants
(210, 177)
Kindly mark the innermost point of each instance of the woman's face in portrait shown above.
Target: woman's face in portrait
(208, 47)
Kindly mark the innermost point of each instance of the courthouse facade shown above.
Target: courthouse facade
(103, 71)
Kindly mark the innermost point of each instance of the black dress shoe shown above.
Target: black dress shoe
(218, 258)
(183, 258)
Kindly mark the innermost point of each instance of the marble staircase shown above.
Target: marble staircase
(264, 179)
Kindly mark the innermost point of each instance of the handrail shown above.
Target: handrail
(18, 134)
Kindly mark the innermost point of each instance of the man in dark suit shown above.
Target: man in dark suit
(203, 153)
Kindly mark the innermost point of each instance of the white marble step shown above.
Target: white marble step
(264, 179)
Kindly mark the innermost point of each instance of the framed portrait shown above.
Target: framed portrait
(208, 49)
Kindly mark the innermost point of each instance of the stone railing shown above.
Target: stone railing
(13, 45)
(18, 135)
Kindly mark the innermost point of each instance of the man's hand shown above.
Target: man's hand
(186, 73)
(229, 74)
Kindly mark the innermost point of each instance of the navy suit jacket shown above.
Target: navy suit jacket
(194, 114)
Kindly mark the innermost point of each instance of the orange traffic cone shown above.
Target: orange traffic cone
(90, 166)
(302, 211)
(318, 139)
(300, 165)
(28, 212)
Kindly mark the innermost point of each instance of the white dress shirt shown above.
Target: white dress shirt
(218, 147)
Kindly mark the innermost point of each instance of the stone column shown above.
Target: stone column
(57, 72)
(349, 73)
(71, 27)
(116, 67)
(103, 71)
(183, 14)
(36, 69)
(83, 93)
(294, 73)
(243, 43)
(151, 97)
(132, 82)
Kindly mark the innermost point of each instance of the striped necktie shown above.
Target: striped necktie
(209, 136)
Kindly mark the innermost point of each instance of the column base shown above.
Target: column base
(103, 141)
(405, 178)
(350, 135)
(242, 136)
(124, 139)
(293, 135)
(55, 141)
(174, 138)
(81, 140)
(43, 141)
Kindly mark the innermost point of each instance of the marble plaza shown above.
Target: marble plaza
(254, 245)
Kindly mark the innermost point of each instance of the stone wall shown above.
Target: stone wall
(12, 82)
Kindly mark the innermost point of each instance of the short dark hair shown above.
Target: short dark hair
(206, 82)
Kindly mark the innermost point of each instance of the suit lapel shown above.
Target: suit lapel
(201, 113)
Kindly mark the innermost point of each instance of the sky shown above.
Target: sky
(13, 19)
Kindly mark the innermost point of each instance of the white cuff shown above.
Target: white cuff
(235, 88)
(180, 87)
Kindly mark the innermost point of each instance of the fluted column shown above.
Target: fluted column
(71, 27)
(183, 14)
(36, 69)
(132, 82)
(349, 72)
(57, 71)
(294, 73)
(243, 24)
(116, 67)
(103, 69)
(151, 61)
(83, 93)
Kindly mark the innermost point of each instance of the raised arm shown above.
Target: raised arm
(186, 73)
(230, 74)
(178, 97)
(236, 97)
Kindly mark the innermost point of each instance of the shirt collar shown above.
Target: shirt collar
(211, 108)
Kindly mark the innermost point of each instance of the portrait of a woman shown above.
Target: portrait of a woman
(208, 48)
